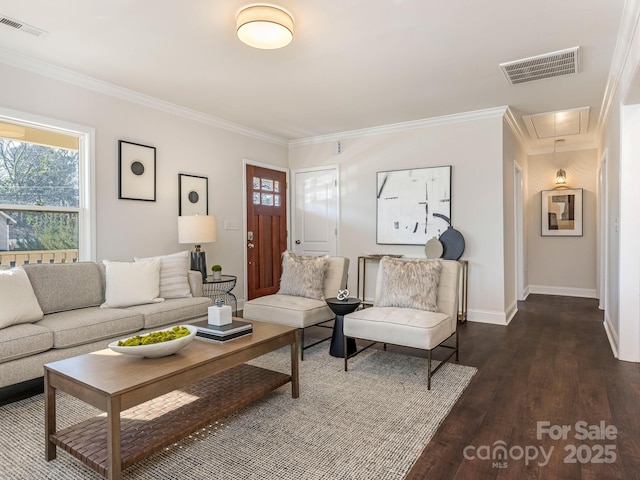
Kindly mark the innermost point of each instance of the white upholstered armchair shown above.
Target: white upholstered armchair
(305, 283)
(415, 305)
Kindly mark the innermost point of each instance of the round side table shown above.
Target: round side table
(341, 308)
(221, 289)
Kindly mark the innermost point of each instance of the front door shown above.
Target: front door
(266, 229)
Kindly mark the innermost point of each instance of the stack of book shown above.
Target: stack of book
(222, 333)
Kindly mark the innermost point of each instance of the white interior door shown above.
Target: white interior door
(315, 219)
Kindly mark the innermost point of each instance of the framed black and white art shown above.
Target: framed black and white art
(413, 205)
(561, 212)
(136, 171)
(193, 196)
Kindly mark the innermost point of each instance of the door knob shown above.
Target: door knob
(297, 242)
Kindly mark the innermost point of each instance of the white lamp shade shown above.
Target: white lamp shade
(196, 229)
(265, 26)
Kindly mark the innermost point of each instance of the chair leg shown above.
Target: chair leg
(429, 370)
(457, 346)
(301, 344)
(346, 354)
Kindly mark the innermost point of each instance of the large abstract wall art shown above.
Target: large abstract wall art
(413, 205)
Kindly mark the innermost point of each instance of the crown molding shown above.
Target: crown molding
(398, 127)
(84, 81)
(512, 123)
(627, 31)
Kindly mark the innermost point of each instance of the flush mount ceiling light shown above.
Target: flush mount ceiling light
(265, 26)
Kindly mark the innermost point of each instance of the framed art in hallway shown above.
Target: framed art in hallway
(136, 171)
(193, 195)
(561, 212)
(413, 205)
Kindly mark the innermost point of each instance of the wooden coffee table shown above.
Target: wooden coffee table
(151, 403)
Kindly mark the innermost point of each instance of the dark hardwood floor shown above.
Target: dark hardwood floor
(552, 364)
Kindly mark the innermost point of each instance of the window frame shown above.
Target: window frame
(86, 175)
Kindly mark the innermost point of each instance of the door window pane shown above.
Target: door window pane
(267, 199)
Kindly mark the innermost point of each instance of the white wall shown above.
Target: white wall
(629, 305)
(474, 149)
(127, 228)
(563, 265)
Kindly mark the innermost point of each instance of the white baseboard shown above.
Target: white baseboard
(563, 291)
(611, 335)
(487, 316)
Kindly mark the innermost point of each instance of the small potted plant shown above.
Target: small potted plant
(217, 272)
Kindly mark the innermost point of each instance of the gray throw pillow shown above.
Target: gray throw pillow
(409, 283)
(302, 275)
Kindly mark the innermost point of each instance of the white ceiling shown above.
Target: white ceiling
(353, 64)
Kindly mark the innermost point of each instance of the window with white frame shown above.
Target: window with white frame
(44, 210)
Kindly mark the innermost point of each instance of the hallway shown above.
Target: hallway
(552, 364)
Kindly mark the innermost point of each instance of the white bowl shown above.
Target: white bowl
(156, 350)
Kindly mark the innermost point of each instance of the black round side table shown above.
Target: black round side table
(341, 308)
(221, 288)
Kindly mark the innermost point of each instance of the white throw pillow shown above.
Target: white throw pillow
(302, 275)
(409, 283)
(18, 303)
(174, 279)
(130, 283)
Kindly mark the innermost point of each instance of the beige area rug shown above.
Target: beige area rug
(370, 422)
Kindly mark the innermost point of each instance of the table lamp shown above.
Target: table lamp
(197, 229)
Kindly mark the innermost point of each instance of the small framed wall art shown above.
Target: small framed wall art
(136, 171)
(193, 196)
(562, 212)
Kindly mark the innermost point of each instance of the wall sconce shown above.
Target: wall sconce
(561, 177)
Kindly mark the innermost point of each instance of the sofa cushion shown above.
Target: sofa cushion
(18, 303)
(402, 326)
(66, 286)
(23, 340)
(174, 282)
(173, 311)
(302, 275)
(288, 310)
(86, 325)
(408, 283)
(130, 283)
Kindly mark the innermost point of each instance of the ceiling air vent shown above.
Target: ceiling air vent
(23, 27)
(554, 64)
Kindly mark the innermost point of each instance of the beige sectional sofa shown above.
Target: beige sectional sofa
(70, 296)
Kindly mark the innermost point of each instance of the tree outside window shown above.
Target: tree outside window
(39, 196)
